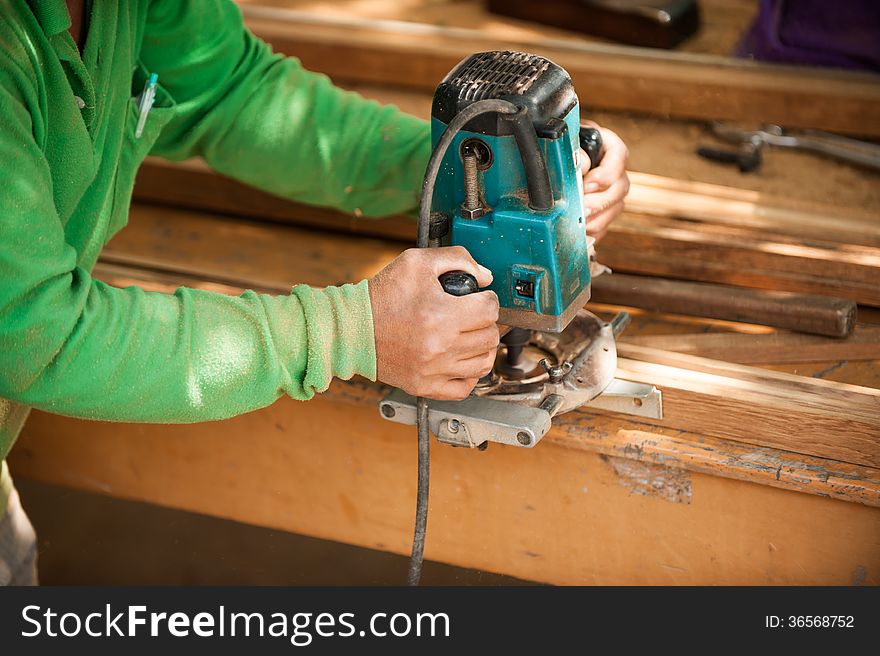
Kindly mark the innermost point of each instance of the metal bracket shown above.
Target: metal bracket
(473, 421)
(630, 398)
(453, 431)
(480, 419)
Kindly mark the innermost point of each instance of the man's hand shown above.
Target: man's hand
(605, 186)
(429, 343)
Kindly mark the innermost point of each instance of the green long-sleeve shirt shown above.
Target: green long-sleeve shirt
(73, 345)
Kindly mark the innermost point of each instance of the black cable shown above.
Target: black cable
(537, 176)
(427, 197)
(418, 549)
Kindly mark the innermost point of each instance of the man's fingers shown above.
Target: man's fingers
(475, 311)
(595, 204)
(478, 342)
(612, 165)
(475, 367)
(452, 390)
(597, 224)
(456, 258)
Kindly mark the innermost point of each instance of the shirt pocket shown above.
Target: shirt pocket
(134, 149)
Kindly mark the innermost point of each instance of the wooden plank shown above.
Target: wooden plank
(615, 77)
(821, 315)
(728, 459)
(623, 437)
(652, 260)
(192, 184)
(766, 408)
(745, 249)
(778, 347)
(555, 513)
(657, 195)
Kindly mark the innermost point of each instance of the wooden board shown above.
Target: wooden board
(743, 348)
(555, 514)
(805, 415)
(738, 207)
(417, 56)
(807, 313)
(674, 248)
(194, 185)
(654, 261)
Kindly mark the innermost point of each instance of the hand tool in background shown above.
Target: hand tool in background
(647, 23)
(751, 144)
(504, 181)
(806, 313)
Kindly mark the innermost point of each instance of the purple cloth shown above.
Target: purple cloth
(842, 34)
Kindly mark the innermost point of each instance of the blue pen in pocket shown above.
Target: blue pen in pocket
(148, 96)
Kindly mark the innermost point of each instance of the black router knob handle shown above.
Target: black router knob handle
(458, 283)
(591, 141)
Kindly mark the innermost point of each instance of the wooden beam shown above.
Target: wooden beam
(653, 260)
(608, 76)
(742, 348)
(192, 184)
(657, 195)
(767, 408)
(560, 513)
(821, 315)
(712, 253)
(620, 436)
(730, 459)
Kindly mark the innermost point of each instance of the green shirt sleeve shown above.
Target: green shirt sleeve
(72, 345)
(261, 118)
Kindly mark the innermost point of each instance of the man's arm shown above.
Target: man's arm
(262, 119)
(73, 345)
